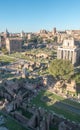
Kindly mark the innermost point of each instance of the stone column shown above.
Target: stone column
(73, 58)
(64, 54)
(58, 54)
(67, 55)
(70, 55)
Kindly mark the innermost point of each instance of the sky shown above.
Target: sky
(34, 15)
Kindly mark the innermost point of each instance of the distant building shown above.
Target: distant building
(54, 31)
(13, 44)
(6, 34)
(22, 34)
(2, 41)
(70, 50)
(30, 36)
(43, 31)
(3, 37)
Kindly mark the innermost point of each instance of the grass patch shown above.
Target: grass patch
(51, 105)
(11, 123)
(53, 128)
(7, 59)
(25, 113)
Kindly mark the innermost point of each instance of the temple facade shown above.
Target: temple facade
(70, 50)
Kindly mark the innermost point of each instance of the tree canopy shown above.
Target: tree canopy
(33, 39)
(61, 69)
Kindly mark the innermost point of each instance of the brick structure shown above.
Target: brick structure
(13, 44)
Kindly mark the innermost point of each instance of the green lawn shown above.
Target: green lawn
(7, 59)
(50, 106)
(11, 123)
(34, 52)
(53, 128)
(25, 113)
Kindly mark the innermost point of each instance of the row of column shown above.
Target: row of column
(67, 54)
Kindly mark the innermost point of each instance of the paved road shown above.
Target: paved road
(68, 107)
